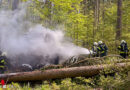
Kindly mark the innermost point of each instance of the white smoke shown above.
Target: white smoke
(18, 36)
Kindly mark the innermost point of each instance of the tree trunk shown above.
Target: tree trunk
(96, 17)
(15, 4)
(0, 2)
(59, 73)
(119, 20)
(103, 18)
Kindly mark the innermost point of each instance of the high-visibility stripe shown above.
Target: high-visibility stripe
(99, 48)
(2, 61)
(2, 66)
(119, 47)
(122, 52)
(102, 51)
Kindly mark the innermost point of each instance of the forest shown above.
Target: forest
(82, 23)
(86, 21)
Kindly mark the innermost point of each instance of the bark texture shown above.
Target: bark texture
(59, 73)
(119, 20)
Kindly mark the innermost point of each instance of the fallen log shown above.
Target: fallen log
(59, 73)
(90, 61)
(96, 62)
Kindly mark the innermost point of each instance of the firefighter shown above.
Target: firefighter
(102, 49)
(95, 49)
(2, 62)
(123, 49)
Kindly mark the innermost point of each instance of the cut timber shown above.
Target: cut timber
(59, 73)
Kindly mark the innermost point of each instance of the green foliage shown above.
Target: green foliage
(116, 82)
(110, 83)
(78, 20)
(113, 78)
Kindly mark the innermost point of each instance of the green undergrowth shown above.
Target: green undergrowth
(108, 60)
(112, 78)
(106, 80)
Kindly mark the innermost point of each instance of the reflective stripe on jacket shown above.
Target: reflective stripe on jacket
(2, 66)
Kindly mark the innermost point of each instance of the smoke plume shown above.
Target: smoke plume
(26, 42)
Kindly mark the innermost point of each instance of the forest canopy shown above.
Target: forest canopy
(86, 21)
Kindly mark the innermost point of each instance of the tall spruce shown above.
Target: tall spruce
(119, 20)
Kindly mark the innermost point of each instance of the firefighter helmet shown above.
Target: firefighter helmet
(123, 41)
(100, 42)
(4, 54)
(95, 43)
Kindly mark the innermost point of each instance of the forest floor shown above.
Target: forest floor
(98, 82)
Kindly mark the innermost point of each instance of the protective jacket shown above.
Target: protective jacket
(123, 49)
(102, 49)
(2, 64)
(95, 51)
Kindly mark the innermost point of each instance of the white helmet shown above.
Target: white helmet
(100, 42)
(4, 54)
(123, 41)
(95, 43)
